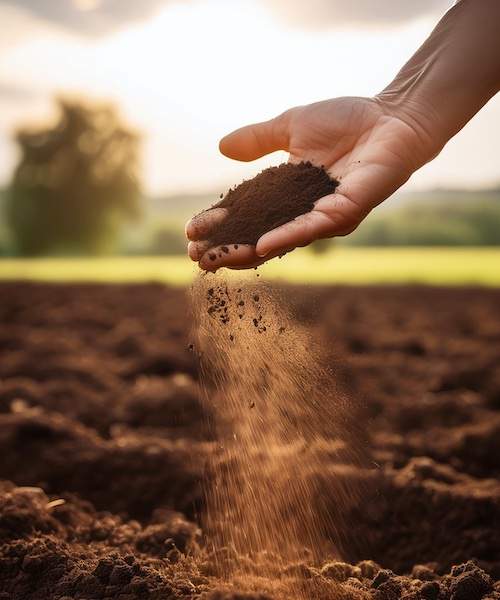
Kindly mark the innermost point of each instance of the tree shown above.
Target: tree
(75, 184)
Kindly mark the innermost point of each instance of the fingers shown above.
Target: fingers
(236, 256)
(259, 139)
(301, 231)
(197, 249)
(333, 215)
(201, 224)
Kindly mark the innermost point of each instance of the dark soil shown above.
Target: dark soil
(280, 194)
(103, 443)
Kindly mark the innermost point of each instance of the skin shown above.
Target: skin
(371, 145)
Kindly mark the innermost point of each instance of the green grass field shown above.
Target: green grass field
(435, 266)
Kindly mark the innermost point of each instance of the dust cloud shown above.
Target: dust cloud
(280, 489)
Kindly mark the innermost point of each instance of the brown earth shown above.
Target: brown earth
(283, 193)
(104, 445)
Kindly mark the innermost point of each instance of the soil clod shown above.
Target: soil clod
(274, 197)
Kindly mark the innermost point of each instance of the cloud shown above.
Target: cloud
(98, 18)
(330, 14)
(92, 18)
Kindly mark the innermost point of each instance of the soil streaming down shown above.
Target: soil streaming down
(279, 420)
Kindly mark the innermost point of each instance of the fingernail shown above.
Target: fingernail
(259, 252)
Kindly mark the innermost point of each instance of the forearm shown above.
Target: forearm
(454, 73)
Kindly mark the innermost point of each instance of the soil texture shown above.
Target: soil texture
(104, 446)
(274, 197)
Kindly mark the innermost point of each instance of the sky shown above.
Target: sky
(184, 73)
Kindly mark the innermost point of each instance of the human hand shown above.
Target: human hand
(370, 146)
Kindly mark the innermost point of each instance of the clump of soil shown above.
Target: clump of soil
(274, 197)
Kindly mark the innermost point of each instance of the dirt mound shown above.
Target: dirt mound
(105, 444)
(274, 197)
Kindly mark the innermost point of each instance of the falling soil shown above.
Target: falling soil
(107, 444)
(278, 417)
(281, 194)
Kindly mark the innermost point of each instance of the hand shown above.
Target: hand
(370, 146)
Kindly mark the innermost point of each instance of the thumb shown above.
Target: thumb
(259, 139)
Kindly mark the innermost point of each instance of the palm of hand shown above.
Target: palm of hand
(371, 153)
(357, 140)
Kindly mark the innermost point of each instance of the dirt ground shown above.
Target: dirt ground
(104, 444)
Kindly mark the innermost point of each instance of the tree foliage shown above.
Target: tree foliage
(168, 241)
(474, 221)
(76, 183)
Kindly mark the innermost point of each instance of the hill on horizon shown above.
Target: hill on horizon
(181, 207)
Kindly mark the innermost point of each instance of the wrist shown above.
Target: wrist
(454, 73)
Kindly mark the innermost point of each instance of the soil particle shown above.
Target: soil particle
(430, 590)
(468, 582)
(382, 576)
(424, 573)
(341, 571)
(240, 304)
(274, 197)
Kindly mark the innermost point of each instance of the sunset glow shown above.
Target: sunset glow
(194, 71)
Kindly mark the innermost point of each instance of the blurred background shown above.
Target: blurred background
(111, 112)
